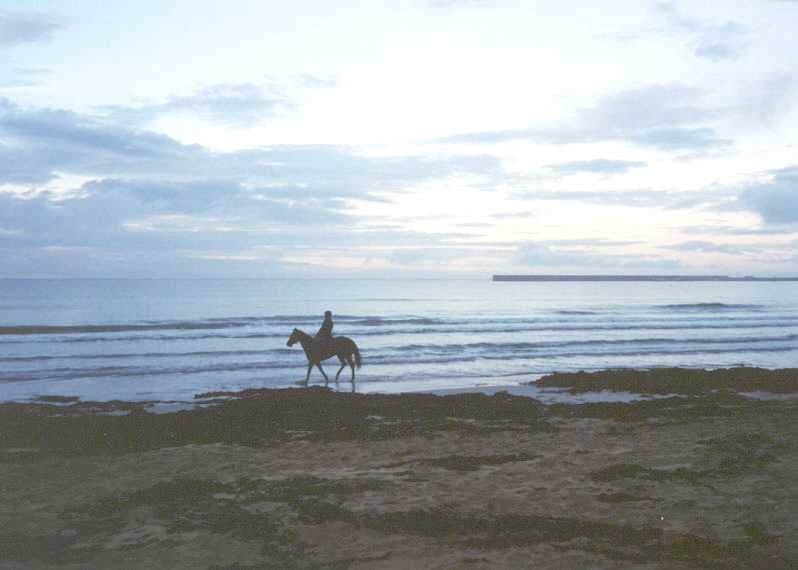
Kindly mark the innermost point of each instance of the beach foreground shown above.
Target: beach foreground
(317, 479)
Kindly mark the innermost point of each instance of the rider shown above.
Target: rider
(324, 336)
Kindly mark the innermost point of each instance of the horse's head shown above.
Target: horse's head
(294, 338)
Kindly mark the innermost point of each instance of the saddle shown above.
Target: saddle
(325, 343)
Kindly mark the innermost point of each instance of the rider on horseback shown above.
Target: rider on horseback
(324, 336)
(343, 347)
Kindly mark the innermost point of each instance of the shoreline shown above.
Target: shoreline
(618, 385)
(310, 478)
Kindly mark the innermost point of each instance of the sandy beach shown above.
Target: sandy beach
(700, 477)
(398, 285)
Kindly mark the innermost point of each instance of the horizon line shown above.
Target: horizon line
(636, 277)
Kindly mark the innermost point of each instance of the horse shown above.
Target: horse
(342, 347)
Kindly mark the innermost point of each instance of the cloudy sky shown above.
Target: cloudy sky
(397, 138)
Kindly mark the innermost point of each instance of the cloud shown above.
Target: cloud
(239, 105)
(595, 166)
(716, 42)
(228, 104)
(451, 4)
(439, 255)
(15, 83)
(37, 143)
(658, 116)
(679, 138)
(776, 201)
(305, 80)
(521, 214)
(156, 227)
(544, 254)
(642, 198)
(722, 230)
(588, 242)
(706, 247)
(26, 77)
(108, 191)
(26, 27)
(717, 50)
(769, 99)
(129, 213)
(36, 71)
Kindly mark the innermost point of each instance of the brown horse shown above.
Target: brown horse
(343, 347)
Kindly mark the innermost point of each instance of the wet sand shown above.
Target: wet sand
(317, 479)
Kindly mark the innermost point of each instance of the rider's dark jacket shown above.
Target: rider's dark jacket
(326, 328)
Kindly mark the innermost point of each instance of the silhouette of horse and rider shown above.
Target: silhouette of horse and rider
(323, 346)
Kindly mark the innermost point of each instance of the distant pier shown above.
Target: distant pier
(636, 278)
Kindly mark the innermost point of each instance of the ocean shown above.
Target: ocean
(171, 339)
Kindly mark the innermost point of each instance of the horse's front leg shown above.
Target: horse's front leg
(310, 368)
(326, 380)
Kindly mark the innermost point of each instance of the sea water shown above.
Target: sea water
(172, 339)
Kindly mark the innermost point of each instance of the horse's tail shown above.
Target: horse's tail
(356, 351)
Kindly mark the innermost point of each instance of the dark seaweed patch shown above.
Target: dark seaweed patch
(735, 455)
(263, 417)
(676, 380)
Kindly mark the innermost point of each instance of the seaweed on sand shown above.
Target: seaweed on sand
(467, 462)
(734, 455)
(687, 381)
(262, 417)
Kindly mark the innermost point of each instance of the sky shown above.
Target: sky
(398, 138)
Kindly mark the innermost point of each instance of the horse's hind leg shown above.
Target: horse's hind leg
(352, 366)
(343, 365)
